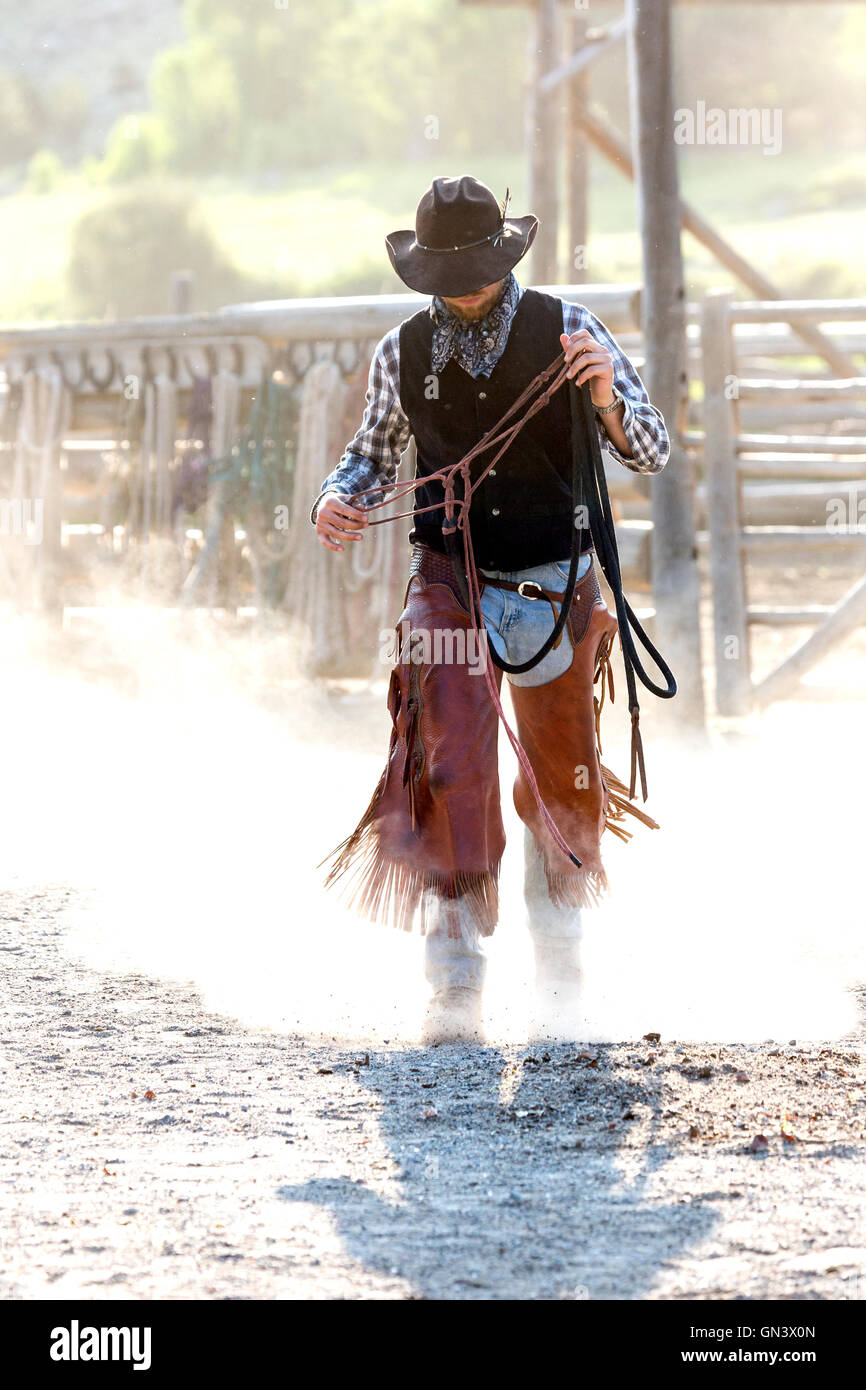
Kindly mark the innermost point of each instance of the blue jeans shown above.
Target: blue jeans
(516, 627)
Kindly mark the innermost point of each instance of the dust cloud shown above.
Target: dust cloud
(180, 780)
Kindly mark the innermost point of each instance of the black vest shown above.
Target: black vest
(521, 514)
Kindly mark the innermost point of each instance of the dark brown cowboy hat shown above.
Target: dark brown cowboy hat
(462, 240)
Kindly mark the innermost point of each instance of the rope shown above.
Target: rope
(319, 586)
(225, 406)
(165, 431)
(152, 509)
(604, 538)
(225, 410)
(265, 480)
(316, 584)
(43, 420)
(459, 489)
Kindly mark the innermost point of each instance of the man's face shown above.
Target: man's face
(474, 306)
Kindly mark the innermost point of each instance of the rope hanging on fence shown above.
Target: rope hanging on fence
(43, 419)
(44, 414)
(318, 586)
(266, 481)
(245, 481)
(157, 455)
(314, 586)
(225, 410)
(226, 400)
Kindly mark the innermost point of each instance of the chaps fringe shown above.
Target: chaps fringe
(384, 890)
(586, 887)
(619, 806)
(582, 889)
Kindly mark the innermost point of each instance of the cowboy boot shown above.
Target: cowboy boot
(555, 930)
(455, 966)
(556, 935)
(453, 1016)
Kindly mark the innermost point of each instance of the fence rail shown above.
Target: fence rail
(107, 422)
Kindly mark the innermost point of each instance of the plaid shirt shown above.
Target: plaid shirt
(373, 456)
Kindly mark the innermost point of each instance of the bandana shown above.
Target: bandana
(477, 347)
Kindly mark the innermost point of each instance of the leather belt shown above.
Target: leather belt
(527, 588)
(435, 568)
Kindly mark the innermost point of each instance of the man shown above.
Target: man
(431, 839)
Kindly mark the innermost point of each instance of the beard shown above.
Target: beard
(475, 312)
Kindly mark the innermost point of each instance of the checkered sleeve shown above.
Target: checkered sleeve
(642, 422)
(371, 459)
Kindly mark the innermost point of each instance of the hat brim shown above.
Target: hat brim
(455, 273)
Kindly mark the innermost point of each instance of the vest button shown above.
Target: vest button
(495, 511)
(482, 395)
(492, 473)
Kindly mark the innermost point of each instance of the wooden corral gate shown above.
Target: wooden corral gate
(823, 442)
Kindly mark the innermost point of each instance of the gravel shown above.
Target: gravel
(153, 1149)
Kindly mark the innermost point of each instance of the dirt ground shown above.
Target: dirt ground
(151, 1149)
(159, 1143)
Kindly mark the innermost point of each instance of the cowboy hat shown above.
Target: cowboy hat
(461, 241)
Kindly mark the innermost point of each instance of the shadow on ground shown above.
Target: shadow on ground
(521, 1176)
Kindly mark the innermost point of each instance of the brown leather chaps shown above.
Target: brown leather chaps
(433, 828)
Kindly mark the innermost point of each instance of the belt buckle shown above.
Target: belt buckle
(530, 583)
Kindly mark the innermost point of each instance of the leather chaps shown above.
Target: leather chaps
(433, 828)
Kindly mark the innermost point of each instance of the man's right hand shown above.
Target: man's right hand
(337, 521)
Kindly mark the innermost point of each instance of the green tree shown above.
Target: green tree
(44, 172)
(19, 120)
(258, 87)
(136, 146)
(122, 254)
(196, 100)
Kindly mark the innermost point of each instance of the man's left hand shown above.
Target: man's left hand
(589, 361)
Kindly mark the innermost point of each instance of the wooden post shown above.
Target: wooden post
(50, 552)
(730, 619)
(676, 588)
(51, 414)
(180, 291)
(542, 140)
(577, 161)
(608, 143)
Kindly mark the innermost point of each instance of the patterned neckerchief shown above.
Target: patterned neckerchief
(477, 347)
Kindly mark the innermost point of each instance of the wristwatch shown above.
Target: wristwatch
(606, 409)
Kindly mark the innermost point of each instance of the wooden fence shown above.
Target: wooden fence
(156, 489)
(820, 454)
(174, 460)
